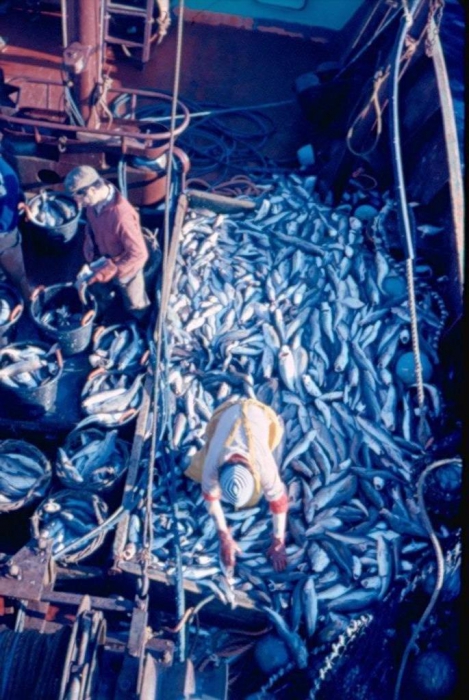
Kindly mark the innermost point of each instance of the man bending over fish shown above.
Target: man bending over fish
(236, 465)
(114, 246)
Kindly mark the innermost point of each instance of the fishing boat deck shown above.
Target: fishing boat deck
(257, 68)
(226, 68)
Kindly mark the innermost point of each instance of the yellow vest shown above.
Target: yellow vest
(195, 469)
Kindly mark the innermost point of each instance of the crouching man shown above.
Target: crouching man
(237, 465)
(114, 246)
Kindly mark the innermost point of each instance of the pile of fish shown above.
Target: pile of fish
(301, 306)
(5, 312)
(10, 305)
(25, 474)
(91, 459)
(27, 365)
(111, 398)
(65, 517)
(59, 308)
(119, 347)
(61, 318)
(51, 209)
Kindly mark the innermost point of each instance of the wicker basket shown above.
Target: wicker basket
(89, 510)
(40, 486)
(118, 460)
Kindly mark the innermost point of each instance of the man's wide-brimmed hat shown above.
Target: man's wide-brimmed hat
(80, 177)
(236, 483)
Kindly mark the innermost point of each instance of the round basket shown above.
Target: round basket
(11, 310)
(34, 400)
(67, 516)
(11, 452)
(46, 300)
(113, 413)
(99, 471)
(54, 216)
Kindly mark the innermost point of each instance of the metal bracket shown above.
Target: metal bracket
(76, 57)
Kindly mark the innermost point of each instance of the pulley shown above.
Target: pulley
(79, 673)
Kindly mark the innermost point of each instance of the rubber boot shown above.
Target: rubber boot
(12, 262)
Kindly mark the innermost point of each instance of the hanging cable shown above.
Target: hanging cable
(402, 207)
(440, 562)
(148, 523)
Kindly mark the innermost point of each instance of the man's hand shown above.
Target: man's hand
(105, 273)
(228, 548)
(277, 554)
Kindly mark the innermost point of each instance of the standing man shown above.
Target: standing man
(11, 252)
(237, 465)
(113, 235)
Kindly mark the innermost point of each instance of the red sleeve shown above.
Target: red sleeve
(280, 505)
(88, 247)
(135, 252)
(208, 497)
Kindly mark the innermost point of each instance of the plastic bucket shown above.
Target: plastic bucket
(35, 401)
(71, 340)
(11, 296)
(61, 233)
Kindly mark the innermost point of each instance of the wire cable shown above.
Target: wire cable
(440, 561)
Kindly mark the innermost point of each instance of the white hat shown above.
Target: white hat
(236, 483)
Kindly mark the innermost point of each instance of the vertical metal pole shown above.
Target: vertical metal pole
(83, 26)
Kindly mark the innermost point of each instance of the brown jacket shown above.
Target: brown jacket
(118, 235)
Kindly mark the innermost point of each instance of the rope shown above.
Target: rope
(414, 332)
(377, 33)
(32, 664)
(102, 102)
(435, 14)
(148, 524)
(401, 195)
(109, 523)
(378, 80)
(440, 561)
(216, 146)
(148, 534)
(273, 680)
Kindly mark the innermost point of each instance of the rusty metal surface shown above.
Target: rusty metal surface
(119, 605)
(244, 615)
(25, 574)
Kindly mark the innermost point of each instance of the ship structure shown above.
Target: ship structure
(231, 349)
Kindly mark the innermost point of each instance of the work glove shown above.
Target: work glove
(277, 554)
(228, 548)
(105, 273)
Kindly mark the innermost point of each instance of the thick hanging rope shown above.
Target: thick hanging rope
(409, 13)
(440, 562)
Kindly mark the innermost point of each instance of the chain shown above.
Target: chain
(353, 630)
(435, 14)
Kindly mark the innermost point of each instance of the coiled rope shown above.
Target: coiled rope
(222, 141)
(32, 664)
